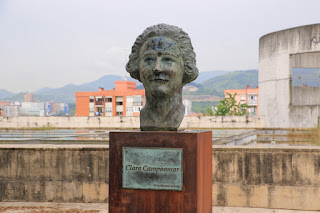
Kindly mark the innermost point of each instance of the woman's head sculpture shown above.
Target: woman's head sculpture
(163, 59)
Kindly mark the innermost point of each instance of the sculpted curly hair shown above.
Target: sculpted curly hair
(178, 35)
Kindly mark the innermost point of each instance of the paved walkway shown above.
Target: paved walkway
(33, 207)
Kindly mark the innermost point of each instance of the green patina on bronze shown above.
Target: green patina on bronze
(163, 60)
(152, 168)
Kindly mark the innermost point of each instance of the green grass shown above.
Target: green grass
(43, 128)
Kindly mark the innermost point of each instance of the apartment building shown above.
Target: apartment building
(249, 96)
(28, 97)
(123, 100)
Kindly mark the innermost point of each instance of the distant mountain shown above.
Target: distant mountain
(16, 97)
(106, 81)
(231, 80)
(203, 76)
(212, 83)
(67, 93)
(5, 94)
(62, 94)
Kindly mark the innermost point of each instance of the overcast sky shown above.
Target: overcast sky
(51, 43)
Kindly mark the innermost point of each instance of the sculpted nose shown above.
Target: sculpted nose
(158, 67)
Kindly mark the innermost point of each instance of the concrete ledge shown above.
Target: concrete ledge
(130, 122)
(268, 149)
(218, 209)
(266, 196)
(281, 178)
(284, 178)
(54, 146)
(13, 207)
(55, 173)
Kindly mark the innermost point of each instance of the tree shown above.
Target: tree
(228, 106)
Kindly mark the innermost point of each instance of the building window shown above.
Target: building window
(108, 99)
(91, 99)
(129, 110)
(242, 97)
(137, 108)
(119, 103)
(108, 110)
(99, 99)
(119, 113)
(137, 100)
(91, 110)
(252, 111)
(252, 100)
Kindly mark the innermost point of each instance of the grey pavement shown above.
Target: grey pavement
(37, 207)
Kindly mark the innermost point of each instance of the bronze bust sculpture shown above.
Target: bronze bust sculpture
(163, 59)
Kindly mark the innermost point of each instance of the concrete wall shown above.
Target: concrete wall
(130, 122)
(284, 178)
(275, 63)
(54, 174)
(287, 178)
(305, 96)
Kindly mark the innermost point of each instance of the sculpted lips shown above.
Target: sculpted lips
(161, 78)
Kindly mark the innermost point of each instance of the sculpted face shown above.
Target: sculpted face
(161, 66)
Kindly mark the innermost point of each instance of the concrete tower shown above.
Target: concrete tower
(289, 77)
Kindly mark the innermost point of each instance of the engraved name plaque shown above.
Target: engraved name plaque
(152, 168)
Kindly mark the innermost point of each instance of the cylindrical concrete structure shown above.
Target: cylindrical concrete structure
(289, 84)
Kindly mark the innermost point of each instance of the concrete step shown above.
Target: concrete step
(29, 207)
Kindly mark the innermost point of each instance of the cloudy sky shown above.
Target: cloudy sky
(51, 43)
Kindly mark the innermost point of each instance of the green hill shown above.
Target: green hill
(203, 76)
(231, 80)
(16, 97)
(4, 94)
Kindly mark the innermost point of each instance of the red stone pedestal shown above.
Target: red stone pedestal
(196, 196)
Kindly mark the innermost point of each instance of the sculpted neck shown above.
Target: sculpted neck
(162, 113)
(158, 104)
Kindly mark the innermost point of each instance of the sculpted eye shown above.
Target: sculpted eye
(148, 60)
(168, 60)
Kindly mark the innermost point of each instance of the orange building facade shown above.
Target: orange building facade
(28, 97)
(123, 100)
(249, 96)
